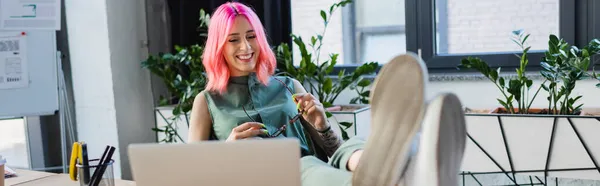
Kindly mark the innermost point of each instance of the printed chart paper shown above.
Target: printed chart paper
(13, 61)
(30, 14)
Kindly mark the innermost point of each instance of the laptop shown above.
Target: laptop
(263, 162)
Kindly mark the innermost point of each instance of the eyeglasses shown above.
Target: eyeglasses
(291, 121)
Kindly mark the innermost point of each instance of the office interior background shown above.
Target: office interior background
(113, 98)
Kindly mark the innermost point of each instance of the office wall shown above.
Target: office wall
(92, 76)
(131, 83)
(113, 99)
(483, 94)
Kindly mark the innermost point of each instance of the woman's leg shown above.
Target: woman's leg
(318, 173)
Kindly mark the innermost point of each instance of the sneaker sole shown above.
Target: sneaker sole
(443, 138)
(397, 107)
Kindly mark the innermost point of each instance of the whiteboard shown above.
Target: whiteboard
(40, 97)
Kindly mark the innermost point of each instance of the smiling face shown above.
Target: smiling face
(241, 49)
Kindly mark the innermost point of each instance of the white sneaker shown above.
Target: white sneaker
(397, 108)
(441, 144)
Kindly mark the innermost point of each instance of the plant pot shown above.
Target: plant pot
(502, 110)
(164, 117)
(358, 115)
(563, 146)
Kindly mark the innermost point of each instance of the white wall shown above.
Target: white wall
(131, 83)
(113, 99)
(483, 94)
(92, 77)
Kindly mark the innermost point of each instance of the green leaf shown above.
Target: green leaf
(553, 39)
(598, 85)
(503, 104)
(327, 104)
(516, 42)
(313, 40)
(344, 135)
(176, 111)
(327, 85)
(545, 87)
(157, 130)
(324, 15)
(525, 39)
(526, 49)
(585, 53)
(354, 100)
(328, 114)
(366, 93)
(501, 81)
(529, 83)
(546, 66)
(346, 124)
(494, 75)
(162, 101)
(364, 83)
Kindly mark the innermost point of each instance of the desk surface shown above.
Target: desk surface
(64, 180)
(26, 176)
(37, 178)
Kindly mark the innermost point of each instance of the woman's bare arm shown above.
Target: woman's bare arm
(331, 141)
(200, 121)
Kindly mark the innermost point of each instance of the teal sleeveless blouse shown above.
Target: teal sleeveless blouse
(271, 105)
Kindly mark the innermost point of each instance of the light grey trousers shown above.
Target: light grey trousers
(334, 173)
(318, 173)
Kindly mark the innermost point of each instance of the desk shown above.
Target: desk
(35, 178)
(26, 176)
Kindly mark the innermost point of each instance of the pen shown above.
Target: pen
(85, 163)
(102, 167)
(98, 166)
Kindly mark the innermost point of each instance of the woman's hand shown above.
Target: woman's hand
(313, 110)
(247, 130)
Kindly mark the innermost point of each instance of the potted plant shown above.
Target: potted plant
(314, 73)
(551, 141)
(183, 74)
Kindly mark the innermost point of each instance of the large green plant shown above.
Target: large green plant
(315, 72)
(183, 74)
(566, 64)
(513, 90)
(562, 66)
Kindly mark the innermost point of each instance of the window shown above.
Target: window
(379, 27)
(445, 31)
(362, 31)
(13, 142)
(307, 22)
(485, 26)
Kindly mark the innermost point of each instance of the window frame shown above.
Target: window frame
(576, 25)
(426, 28)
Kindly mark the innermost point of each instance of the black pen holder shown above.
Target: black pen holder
(107, 179)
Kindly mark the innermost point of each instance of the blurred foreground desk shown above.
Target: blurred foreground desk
(35, 178)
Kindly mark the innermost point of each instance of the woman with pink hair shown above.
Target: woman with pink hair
(243, 100)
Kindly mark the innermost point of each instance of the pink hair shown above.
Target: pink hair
(220, 25)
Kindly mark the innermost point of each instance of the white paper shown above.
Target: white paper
(30, 14)
(13, 61)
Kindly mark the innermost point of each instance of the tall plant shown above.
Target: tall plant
(566, 64)
(183, 74)
(562, 66)
(316, 73)
(513, 90)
